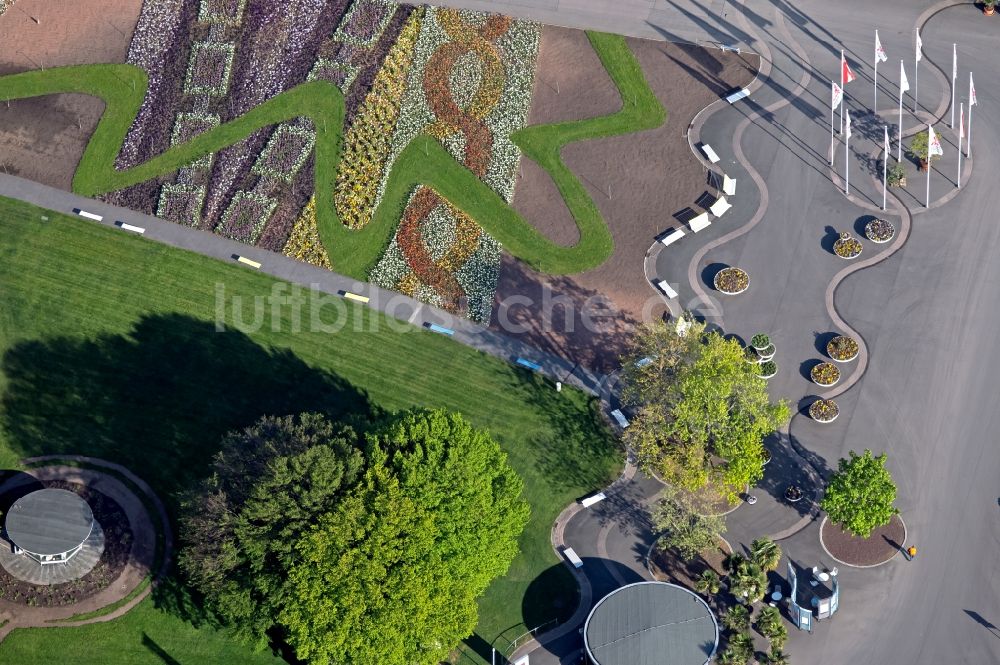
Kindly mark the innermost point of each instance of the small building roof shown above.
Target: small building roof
(651, 623)
(49, 521)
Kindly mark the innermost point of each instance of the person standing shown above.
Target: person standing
(911, 552)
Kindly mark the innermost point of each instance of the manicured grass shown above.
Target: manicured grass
(423, 162)
(108, 348)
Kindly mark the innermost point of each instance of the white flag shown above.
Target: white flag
(904, 85)
(920, 46)
(847, 124)
(972, 92)
(880, 55)
(954, 61)
(886, 128)
(837, 96)
(933, 143)
(961, 127)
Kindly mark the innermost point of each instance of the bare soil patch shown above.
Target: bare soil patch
(883, 544)
(638, 181)
(43, 138)
(667, 565)
(117, 545)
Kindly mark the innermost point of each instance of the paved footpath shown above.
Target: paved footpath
(392, 304)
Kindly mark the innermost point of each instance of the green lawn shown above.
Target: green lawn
(423, 162)
(108, 348)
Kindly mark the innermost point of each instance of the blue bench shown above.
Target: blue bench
(433, 327)
(527, 363)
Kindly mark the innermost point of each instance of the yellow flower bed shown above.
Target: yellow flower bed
(368, 142)
(304, 243)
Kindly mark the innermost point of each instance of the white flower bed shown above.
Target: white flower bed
(222, 12)
(303, 133)
(385, 8)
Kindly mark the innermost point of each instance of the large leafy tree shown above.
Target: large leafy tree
(391, 575)
(361, 552)
(684, 529)
(702, 413)
(269, 483)
(861, 494)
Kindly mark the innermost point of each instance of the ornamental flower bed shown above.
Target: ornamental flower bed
(847, 247)
(824, 410)
(842, 348)
(767, 369)
(209, 69)
(364, 22)
(222, 12)
(880, 230)
(304, 243)
(181, 203)
(731, 281)
(825, 374)
(285, 153)
(246, 216)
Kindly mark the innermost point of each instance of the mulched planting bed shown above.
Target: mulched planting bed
(882, 546)
(651, 175)
(668, 566)
(117, 545)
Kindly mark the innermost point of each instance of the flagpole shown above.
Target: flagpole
(961, 114)
(927, 198)
(885, 167)
(954, 71)
(875, 108)
(899, 150)
(916, 74)
(833, 144)
(847, 164)
(843, 101)
(968, 135)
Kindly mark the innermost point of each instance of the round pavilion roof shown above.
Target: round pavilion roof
(651, 623)
(49, 521)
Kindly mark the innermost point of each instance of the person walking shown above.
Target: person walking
(911, 552)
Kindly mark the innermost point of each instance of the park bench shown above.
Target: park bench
(573, 557)
(524, 362)
(88, 215)
(666, 289)
(433, 327)
(250, 262)
(709, 152)
(620, 418)
(356, 297)
(672, 237)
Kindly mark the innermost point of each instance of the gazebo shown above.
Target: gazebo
(651, 623)
(49, 525)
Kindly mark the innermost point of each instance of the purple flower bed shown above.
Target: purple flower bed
(365, 22)
(285, 152)
(246, 216)
(181, 203)
(294, 199)
(209, 70)
(225, 12)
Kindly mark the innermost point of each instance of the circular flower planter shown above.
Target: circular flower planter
(825, 374)
(767, 369)
(843, 349)
(793, 494)
(751, 355)
(766, 353)
(824, 410)
(760, 341)
(880, 231)
(731, 281)
(847, 247)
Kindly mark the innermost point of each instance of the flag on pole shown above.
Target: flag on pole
(880, 55)
(847, 124)
(904, 84)
(961, 128)
(933, 143)
(954, 61)
(837, 95)
(920, 47)
(972, 92)
(846, 74)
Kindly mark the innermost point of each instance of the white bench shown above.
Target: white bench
(355, 297)
(620, 418)
(707, 149)
(738, 95)
(250, 262)
(133, 229)
(666, 289)
(720, 207)
(699, 223)
(89, 215)
(728, 185)
(573, 557)
(591, 500)
(672, 237)
(642, 362)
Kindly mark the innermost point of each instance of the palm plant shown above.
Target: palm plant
(765, 553)
(748, 582)
(776, 657)
(736, 617)
(708, 584)
(742, 645)
(769, 621)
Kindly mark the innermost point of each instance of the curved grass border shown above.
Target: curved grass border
(424, 161)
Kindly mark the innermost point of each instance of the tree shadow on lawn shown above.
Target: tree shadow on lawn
(159, 398)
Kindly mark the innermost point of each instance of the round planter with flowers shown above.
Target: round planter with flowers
(824, 410)
(825, 374)
(847, 247)
(880, 231)
(843, 349)
(731, 281)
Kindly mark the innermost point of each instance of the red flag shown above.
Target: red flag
(847, 74)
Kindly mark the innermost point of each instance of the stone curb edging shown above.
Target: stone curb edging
(854, 565)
